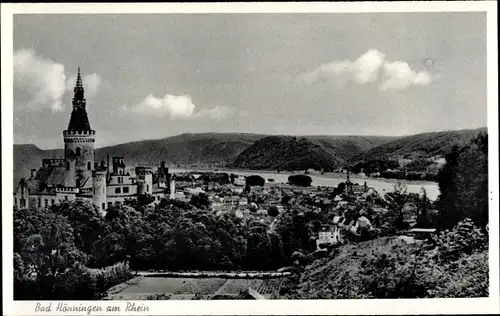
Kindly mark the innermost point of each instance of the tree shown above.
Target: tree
(463, 184)
(396, 202)
(273, 211)
(423, 207)
(86, 221)
(45, 250)
(255, 180)
(200, 201)
(300, 180)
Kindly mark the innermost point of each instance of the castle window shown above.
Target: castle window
(78, 151)
(67, 165)
(66, 197)
(89, 166)
(23, 202)
(39, 202)
(52, 202)
(125, 189)
(46, 202)
(147, 188)
(118, 190)
(103, 206)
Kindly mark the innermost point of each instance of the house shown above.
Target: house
(329, 235)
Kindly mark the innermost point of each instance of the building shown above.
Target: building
(330, 234)
(79, 176)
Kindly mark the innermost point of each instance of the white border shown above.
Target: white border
(276, 307)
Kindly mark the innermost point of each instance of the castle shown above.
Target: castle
(79, 176)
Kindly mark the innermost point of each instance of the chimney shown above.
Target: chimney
(33, 173)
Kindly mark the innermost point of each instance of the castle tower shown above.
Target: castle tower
(99, 189)
(163, 175)
(172, 188)
(145, 180)
(79, 139)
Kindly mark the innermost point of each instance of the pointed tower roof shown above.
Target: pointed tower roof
(79, 120)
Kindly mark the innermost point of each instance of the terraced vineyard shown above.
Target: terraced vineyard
(167, 288)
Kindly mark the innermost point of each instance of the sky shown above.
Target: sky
(153, 76)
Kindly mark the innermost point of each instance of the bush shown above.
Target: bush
(465, 238)
(254, 180)
(300, 180)
(82, 283)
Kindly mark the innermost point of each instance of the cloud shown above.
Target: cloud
(45, 82)
(177, 107)
(370, 67)
(42, 78)
(399, 75)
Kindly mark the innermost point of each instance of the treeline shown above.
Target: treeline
(61, 247)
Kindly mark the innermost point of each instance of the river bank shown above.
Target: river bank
(329, 179)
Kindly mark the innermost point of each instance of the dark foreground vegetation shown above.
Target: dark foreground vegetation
(68, 251)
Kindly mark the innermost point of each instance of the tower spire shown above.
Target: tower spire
(79, 80)
(79, 119)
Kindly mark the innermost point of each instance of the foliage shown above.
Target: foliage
(140, 202)
(255, 180)
(464, 238)
(200, 201)
(273, 211)
(300, 180)
(463, 183)
(390, 268)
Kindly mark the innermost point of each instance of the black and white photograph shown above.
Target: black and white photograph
(249, 156)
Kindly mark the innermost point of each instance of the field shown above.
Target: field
(167, 288)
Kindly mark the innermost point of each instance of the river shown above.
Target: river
(332, 180)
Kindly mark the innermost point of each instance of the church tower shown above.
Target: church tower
(79, 141)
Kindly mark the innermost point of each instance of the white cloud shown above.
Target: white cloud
(370, 67)
(363, 70)
(177, 107)
(44, 81)
(399, 75)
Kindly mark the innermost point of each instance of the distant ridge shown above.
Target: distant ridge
(325, 153)
(424, 145)
(258, 151)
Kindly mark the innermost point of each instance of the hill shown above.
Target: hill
(196, 149)
(199, 149)
(424, 145)
(301, 153)
(28, 156)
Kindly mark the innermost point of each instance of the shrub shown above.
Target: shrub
(465, 238)
(300, 180)
(255, 180)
